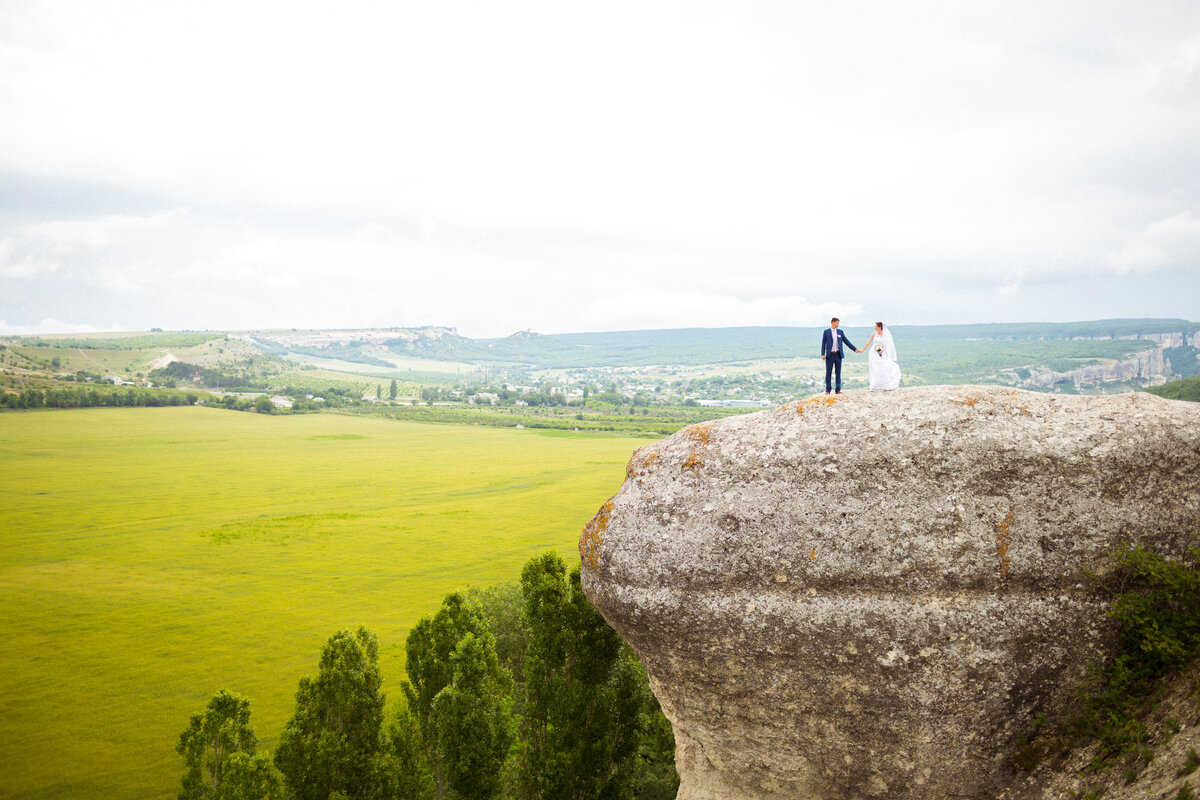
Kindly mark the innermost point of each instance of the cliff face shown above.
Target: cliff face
(870, 596)
(1147, 366)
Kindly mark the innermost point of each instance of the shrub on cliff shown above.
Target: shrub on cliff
(1156, 608)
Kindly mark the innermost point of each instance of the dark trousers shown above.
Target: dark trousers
(833, 363)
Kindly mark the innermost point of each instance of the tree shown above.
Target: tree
(583, 707)
(428, 648)
(502, 605)
(334, 742)
(263, 405)
(250, 778)
(410, 778)
(655, 776)
(471, 719)
(208, 742)
(392, 390)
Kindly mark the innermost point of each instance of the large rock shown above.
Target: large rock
(871, 595)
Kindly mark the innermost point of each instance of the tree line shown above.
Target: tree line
(520, 691)
(81, 397)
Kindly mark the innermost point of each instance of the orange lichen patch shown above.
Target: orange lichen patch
(817, 402)
(1003, 540)
(812, 555)
(643, 459)
(592, 538)
(698, 434)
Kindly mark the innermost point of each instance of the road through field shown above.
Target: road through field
(149, 557)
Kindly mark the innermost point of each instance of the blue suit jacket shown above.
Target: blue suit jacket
(827, 343)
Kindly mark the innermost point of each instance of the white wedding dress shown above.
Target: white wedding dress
(882, 370)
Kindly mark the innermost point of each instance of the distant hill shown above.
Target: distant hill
(686, 346)
(755, 363)
(1188, 389)
(1119, 354)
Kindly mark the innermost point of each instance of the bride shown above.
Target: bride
(882, 370)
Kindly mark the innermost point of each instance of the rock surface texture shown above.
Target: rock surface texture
(871, 595)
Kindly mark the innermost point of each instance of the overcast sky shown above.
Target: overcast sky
(568, 166)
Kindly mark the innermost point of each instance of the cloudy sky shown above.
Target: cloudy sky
(567, 166)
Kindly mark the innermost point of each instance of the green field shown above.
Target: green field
(151, 556)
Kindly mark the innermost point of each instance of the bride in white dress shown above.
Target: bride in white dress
(882, 370)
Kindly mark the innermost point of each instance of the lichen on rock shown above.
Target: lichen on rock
(871, 597)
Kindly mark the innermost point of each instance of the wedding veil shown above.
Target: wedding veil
(889, 346)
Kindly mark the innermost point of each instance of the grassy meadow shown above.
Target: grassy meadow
(150, 556)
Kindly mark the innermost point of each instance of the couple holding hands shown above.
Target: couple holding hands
(882, 370)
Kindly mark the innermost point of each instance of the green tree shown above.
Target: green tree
(210, 738)
(472, 721)
(392, 390)
(583, 708)
(655, 778)
(502, 606)
(263, 405)
(334, 742)
(428, 648)
(411, 778)
(250, 778)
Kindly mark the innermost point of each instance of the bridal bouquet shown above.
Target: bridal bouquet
(879, 349)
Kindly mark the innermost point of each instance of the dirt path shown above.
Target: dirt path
(86, 357)
(162, 361)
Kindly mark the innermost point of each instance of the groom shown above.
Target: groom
(833, 345)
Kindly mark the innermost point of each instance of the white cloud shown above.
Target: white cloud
(1173, 241)
(24, 265)
(690, 309)
(558, 162)
(118, 251)
(49, 325)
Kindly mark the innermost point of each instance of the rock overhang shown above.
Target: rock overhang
(924, 545)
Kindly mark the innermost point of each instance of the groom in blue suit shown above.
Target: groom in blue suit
(833, 346)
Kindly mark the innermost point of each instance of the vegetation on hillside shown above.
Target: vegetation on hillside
(1187, 389)
(1154, 608)
(353, 352)
(690, 346)
(134, 341)
(1184, 361)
